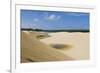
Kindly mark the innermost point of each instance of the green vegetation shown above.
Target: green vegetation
(67, 30)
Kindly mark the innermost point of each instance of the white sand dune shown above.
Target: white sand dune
(34, 50)
(78, 42)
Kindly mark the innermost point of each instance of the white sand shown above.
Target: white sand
(34, 50)
(78, 41)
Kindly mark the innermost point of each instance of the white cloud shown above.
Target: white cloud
(35, 19)
(51, 17)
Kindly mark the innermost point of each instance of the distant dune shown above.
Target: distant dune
(32, 50)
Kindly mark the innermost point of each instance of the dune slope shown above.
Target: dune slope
(34, 50)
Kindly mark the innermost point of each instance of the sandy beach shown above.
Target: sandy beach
(56, 46)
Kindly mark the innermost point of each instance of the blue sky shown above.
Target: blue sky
(52, 20)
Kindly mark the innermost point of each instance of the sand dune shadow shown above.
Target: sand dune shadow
(61, 46)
